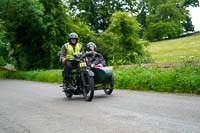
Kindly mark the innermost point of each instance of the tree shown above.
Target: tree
(58, 26)
(142, 11)
(193, 3)
(23, 20)
(3, 46)
(124, 28)
(164, 19)
(97, 13)
(104, 42)
(144, 7)
(187, 24)
(37, 29)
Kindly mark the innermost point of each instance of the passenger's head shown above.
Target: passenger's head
(91, 46)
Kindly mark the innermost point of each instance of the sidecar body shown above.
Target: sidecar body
(102, 74)
(103, 78)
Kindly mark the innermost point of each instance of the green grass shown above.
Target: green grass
(171, 50)
(52, 76)
(184, 79)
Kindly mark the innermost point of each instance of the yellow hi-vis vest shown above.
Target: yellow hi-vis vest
(70, 50)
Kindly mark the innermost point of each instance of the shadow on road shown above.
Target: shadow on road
(81, 98)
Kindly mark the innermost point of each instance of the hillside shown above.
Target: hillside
(176, 49)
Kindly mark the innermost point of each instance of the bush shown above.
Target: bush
(2, 61)
(120, 43)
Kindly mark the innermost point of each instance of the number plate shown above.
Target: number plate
(83, 64)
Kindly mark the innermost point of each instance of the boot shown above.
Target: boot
(65, 86)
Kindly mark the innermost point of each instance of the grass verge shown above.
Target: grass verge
(52, 76)
(184, 79)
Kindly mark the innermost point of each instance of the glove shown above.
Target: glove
(64, 60)
(92, 65)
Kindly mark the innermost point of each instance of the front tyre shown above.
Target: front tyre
(68, 95)
(88, 89)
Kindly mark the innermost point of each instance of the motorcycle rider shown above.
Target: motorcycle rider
(67, 59)
(94, 58)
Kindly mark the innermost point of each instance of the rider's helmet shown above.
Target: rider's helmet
(72, 36)
(91, 46)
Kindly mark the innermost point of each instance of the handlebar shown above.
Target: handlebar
(79, 55)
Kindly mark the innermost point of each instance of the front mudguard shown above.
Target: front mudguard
(86, 71)
(90, 73)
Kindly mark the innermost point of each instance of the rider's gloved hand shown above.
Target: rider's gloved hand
(100, 65)
(92, 65)
(64, 60)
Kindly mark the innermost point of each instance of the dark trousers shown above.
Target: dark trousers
(68, 66)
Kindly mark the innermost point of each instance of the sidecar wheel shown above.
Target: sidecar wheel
(109, 87)
(108, 91)
(88, 90)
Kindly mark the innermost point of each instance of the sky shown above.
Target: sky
(195, 13)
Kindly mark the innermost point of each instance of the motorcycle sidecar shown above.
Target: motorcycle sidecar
(103, 79)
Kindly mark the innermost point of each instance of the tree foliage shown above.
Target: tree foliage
(23, 19)
(97, 13)
(3, 46)
(146, 7)
(123, 36)
(37, 29)
(193, 3)
(187, 24)
(164, 19)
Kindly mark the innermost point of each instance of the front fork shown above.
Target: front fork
(82, 77)
(88, 72)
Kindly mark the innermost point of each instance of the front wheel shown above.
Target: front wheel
(88, 88)
(68, 95)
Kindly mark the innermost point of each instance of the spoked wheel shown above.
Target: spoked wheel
(109, 87)
(68, 94)
(88, 89)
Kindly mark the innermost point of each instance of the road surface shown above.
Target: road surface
(34, 107)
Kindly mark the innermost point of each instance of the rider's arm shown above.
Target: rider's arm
(82, 50)
(63, 53)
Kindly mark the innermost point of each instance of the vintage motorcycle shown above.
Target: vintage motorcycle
(85, 80)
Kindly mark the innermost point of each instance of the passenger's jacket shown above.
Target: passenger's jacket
(95, 58)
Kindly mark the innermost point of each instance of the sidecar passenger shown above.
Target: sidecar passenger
(94, 58)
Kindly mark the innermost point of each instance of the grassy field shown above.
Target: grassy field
(172, 50)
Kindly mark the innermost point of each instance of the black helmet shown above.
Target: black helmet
(73, 36)
(91, 45)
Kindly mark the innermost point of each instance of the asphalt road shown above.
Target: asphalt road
(34, 107)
